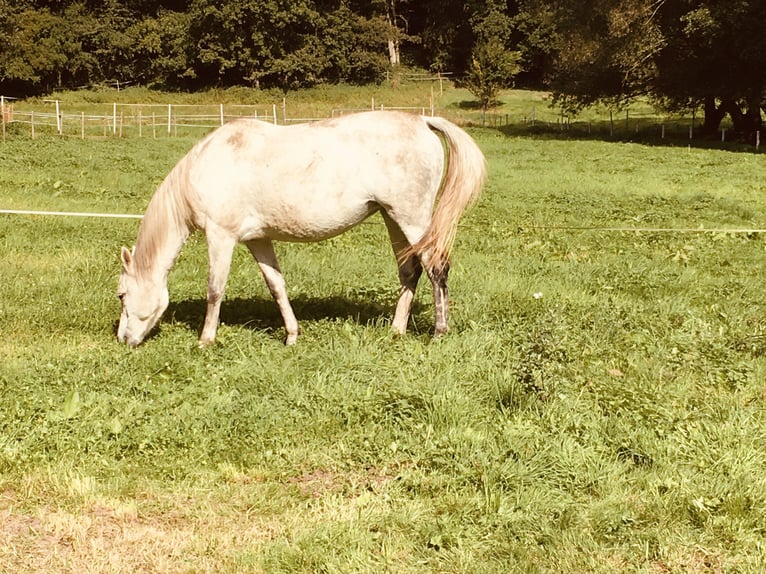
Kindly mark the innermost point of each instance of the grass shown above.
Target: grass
(598, 406)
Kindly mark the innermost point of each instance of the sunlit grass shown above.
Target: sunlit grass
(597, 407)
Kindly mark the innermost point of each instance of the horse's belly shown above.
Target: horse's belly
(307, 222)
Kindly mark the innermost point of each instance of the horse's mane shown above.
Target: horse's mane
(167, 216)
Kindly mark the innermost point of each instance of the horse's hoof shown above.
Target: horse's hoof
(291, 340)
(205, 343)
(439, 331)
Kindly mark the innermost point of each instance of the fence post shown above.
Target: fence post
(274, 112)
(170, 115)
(221, 114)
(691, 127)
(58, 117)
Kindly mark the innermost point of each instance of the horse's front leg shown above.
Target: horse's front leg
(220, 247)
(263, 252)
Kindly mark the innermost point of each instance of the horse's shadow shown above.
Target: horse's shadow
(262, 314)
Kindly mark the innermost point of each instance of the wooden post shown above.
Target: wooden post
(170, 115)
(274, 112)
(58, 117)
(221, 114)
(691, 127)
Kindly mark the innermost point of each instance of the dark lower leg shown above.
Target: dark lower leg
(409, 275)
(438, 276)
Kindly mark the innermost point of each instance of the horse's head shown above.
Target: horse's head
(143, 301)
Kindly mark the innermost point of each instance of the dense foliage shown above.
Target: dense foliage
(685, 54)
(190, 44)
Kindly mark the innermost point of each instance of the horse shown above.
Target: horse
(255, 182)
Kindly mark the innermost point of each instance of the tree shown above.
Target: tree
(492, 68)
(493, 65)
(682, 53)
(162, 50)
(715, 57)
(43, 50)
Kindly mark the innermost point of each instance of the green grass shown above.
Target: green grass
(597, 407)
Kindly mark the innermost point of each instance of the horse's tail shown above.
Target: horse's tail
(461, 186)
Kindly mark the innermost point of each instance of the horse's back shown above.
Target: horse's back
(311, 181)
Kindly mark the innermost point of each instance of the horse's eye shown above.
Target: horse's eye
(120, 296)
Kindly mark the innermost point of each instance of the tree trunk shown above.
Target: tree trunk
(753, 115)
(713, 116)
(393, 52)
(746, 122)
(393, 40)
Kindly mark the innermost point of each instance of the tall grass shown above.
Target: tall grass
(597, 407)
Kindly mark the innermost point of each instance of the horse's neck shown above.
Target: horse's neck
(163, 232)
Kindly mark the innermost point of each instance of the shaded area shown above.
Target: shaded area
(650, 135)
(262, 314)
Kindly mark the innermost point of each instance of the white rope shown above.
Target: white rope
(70, 214)
(640, 229)
(521, 227)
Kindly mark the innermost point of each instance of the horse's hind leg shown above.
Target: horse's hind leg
(220, 247)
(410, 270)
(438, 275)
(263, 252)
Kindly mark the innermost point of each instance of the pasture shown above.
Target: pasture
(597, 407)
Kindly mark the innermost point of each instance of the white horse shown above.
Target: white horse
(254, 182)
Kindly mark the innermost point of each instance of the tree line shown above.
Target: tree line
(683, 54)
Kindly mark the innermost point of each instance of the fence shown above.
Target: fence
(163, 120)
(155, 120)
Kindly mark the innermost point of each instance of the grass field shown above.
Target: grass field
(597, 407)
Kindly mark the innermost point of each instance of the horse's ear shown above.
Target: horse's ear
(127, 258)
